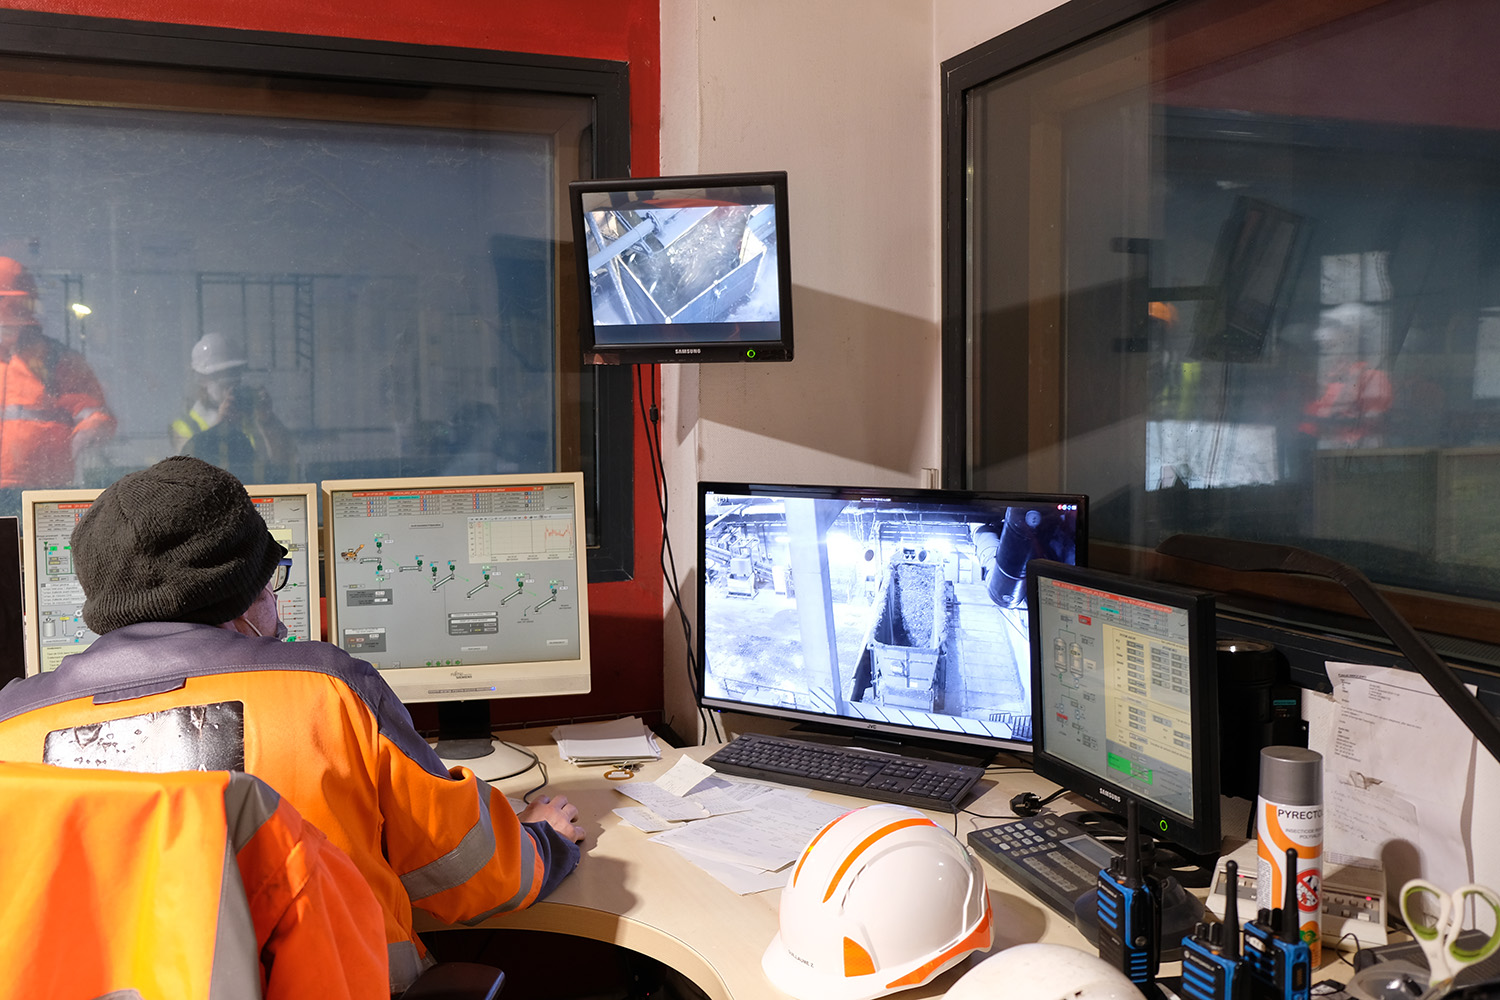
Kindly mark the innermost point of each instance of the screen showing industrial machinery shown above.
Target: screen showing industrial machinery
(1125, 697)
(464, 588)
(683, 268)
(883, 611)
(54, 598)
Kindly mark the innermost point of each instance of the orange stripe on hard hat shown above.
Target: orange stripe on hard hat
(978, 940)
(808, 849)
(857, 961)
(864, 845)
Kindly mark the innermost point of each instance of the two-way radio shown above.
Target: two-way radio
(1129, 903)
(1279, 961)
(1211, 966)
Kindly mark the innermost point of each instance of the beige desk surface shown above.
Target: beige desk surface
(647, 898)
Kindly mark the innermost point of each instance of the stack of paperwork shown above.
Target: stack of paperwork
(619, 741)
(746, 834)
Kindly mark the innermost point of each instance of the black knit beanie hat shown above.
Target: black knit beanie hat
(178, 542)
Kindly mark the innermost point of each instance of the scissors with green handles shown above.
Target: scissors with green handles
(1438, 936)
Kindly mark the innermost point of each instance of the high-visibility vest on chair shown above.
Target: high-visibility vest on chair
(176, 886)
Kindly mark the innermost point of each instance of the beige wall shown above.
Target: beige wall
(844, 96)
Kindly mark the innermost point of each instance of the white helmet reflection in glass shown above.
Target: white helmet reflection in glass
(882, 899)
(1043, 972)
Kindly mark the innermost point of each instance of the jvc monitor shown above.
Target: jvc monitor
(463, 588)
(1125, 695)
(885, 612)
(54, 599)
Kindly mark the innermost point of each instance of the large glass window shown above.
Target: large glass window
(1236, 270)
(353, 265)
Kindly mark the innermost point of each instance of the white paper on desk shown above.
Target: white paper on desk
(744, 789)
(642, 819)
(663, 803)
(1397, 776)
(614, 741)
(684, 776)
(718, 802)
(770, 836)
(741, 879)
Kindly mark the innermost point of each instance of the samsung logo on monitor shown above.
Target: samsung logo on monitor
(688, 350)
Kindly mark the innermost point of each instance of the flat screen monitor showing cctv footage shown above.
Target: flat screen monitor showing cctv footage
(692, 269)
(889, 614)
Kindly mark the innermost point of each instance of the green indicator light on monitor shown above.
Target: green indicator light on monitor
(750, 353)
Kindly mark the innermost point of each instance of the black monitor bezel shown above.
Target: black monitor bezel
(683, 351)
(1201, 832)
(914, 735)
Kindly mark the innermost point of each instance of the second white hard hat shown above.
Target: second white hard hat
(1043, 972)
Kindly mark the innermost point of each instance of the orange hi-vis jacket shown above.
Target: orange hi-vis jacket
(323, 729)
(48, 395)
(186, 886)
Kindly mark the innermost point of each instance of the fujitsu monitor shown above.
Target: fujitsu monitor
(461, 589)
(54, 598)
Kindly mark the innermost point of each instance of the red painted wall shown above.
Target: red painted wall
(625, 618)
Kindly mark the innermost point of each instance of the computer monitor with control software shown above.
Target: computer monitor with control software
(1125, 697)
(462, 589)
(882, 614)
(54, 598)
(683, 268)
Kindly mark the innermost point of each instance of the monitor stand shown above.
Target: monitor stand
(464, 738)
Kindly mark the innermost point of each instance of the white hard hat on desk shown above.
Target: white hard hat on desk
(1043, 972)
(881, 900)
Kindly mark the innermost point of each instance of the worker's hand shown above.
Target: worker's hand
(557, 813)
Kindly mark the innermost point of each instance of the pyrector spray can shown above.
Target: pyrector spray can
(1289, 813)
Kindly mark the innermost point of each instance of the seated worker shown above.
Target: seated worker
(178, 573)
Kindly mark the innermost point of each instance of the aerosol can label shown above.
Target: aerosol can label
(1279, 827)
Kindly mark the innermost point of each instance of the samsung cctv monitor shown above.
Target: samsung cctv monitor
(674, 269)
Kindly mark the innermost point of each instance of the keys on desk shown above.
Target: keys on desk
(925, 784)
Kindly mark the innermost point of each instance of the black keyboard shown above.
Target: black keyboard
(909, 781)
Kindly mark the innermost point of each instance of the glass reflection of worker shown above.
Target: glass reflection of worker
(1354, 396)
(229, 423)
(51, 406)
(1003, 550)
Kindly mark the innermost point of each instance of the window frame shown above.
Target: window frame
(1452, 622)
(606, 431)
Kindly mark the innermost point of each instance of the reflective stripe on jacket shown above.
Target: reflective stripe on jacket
(48, 395)
(183, 886)
(327, 732)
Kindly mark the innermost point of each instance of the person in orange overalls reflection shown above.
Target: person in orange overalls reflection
(1354, 395)
(51, 405)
